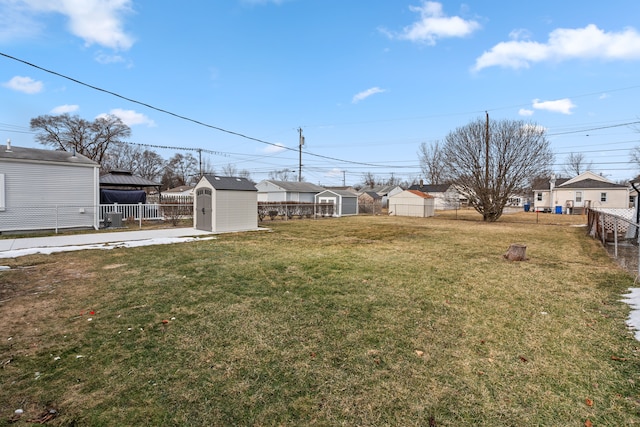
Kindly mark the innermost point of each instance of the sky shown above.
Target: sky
(365, 82)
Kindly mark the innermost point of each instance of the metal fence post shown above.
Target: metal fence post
(56, 219)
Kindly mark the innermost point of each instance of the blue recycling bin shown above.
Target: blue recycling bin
(559, 210)
(527, 206)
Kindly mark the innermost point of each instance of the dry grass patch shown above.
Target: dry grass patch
(353, 321)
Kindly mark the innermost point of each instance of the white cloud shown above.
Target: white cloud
(272, 149)
(604, 96)
(16, 22)
(24, 84)
(62, 109)
(525, 112)
(563, 44)
(563, 106)
(105, 58)
(95, 21)
(365, 94)
(130, 117)
(433, 25)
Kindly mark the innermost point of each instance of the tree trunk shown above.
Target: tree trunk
(516, 252)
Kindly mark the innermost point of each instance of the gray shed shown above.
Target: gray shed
(224, 203)
(345, 202)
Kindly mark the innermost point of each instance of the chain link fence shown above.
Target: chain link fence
(617, 229)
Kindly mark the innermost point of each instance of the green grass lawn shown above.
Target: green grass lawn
(366, 321)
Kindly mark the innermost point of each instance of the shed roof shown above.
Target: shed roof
(431, 188)
(230, 183)
(36, 154)
(420, 194)
(296, 186)
(372, 194)
(341, 193)
(125, 179)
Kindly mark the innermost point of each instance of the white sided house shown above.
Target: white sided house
(47, 190)
(344, 202)
(287, 191)
(225, 204)
(412, 203)
(587, 190)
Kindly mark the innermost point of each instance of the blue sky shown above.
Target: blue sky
(367, 82)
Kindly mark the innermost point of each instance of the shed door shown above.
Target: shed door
(204, 209)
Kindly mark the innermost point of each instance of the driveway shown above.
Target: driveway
(10, 248)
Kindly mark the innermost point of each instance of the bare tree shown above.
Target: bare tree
(230, 170)
(489, 161)
(283, 175)
(369, 180)
(150, 165)
(125, 156)
(121, 156)
(576, 163)
(91, 139)
(181, 169)
(432, 162)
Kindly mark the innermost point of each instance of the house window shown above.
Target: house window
(2, 205)
(603, 197)
(539, 197)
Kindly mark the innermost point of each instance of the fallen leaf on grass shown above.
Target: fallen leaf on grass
(620, 359)
(523, 359)
(420, 353)
(589, 402)
(588, 423)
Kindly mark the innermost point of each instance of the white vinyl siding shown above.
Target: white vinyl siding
(234, 210)
(39, 195)
(2, 198)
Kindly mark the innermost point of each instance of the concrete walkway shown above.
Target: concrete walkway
(97, 238)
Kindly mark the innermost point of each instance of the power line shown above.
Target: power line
(590, 129)
(179, 116)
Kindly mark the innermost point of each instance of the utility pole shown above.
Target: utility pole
(300, 164)
(344, 178)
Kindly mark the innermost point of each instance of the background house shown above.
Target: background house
(412, 203)
(180, 192)
(47, 190)
(345, 202)
(587, 190)
(287, 191)
(445, 195)
(369, 202)
(224, 204)
(384, 191)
